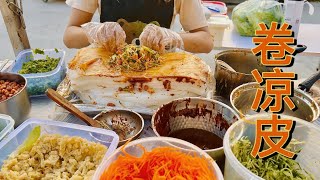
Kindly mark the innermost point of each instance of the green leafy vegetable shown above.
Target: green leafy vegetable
(56, 50)
(275, 167)
(247, 15)
(38, 51)
(39, 66)
(31, 139)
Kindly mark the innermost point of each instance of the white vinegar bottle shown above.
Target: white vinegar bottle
(293, 13)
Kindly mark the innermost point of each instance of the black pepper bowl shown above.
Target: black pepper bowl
(201, 121)
(134, 120)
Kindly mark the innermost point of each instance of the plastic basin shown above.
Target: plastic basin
(6, 125)
(304, 131)
(134, 149)
(108, 138)
(38, 83)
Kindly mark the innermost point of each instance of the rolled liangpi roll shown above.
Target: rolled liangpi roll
(178, 75)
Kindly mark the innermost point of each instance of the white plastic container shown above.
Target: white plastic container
(134, 148)
(308, 158)
(6, 125)
(217, 25)
(293, 13)
(18, 136)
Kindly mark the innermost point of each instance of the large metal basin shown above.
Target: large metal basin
(242, 62)
(243, 96)
(18, 106)
(198, 113)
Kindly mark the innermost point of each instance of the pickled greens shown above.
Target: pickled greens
(275, 167)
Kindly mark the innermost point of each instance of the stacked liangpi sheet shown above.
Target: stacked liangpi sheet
(179, 75)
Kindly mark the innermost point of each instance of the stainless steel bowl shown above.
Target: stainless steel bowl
(18, 106)
(242, 98)
(197, 113)
(135, 121)
(233, 68)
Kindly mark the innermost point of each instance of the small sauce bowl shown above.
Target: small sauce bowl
(131, 123)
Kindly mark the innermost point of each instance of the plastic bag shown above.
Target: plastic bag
(247, 15)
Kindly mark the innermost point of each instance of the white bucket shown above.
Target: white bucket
(217, 25)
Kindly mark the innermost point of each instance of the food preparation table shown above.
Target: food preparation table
(309, 35)
(44, 108)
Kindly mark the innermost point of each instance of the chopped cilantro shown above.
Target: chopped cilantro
(38, 51)
(39, 66)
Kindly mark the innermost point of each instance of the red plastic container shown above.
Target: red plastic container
(216, 7)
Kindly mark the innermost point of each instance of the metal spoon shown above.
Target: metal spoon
(53, 95)
(225, 65)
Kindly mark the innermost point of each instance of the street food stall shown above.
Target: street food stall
(140, 114)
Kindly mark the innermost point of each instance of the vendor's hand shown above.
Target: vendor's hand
(109, 35)
(160, 39)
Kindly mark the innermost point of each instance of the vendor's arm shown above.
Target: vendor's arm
(74, 35)
(198, 40)
(193, 20)
(81, 32)
(162, 39)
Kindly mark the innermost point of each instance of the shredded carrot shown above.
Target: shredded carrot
(163, 163)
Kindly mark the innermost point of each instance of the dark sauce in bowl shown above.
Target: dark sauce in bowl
(203, 139)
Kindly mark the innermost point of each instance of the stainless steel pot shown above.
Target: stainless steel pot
(197, 113)
(313, 91)
(243, 96)
(233, 68)
(18, 106)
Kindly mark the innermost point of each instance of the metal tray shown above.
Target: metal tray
(64, 89)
